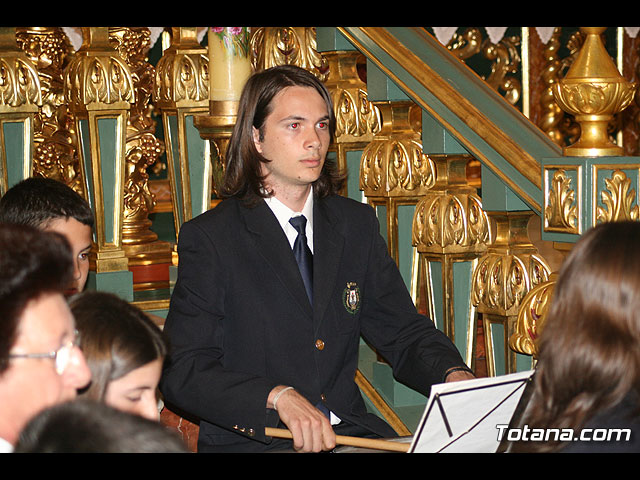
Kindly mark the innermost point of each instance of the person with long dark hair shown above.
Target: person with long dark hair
(586, 386)
(124, 349)
(277, 284)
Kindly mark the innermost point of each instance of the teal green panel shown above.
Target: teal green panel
(330, 39)
(379, 87)
(14, 150)
(197, 167)
(119, 283)
(395, 393)
(435, 270)
(523, 362)
(405, 248)
(436, 140)
(353, 181)
(462, 273)
(108, 138)
(173, 141)
(496, 196)
(498, 339)
(162, 224)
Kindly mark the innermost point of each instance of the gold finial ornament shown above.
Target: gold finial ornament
(593, 91)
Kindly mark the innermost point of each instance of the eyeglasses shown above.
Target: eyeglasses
(61, 356)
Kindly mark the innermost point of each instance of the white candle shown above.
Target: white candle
(229, 62)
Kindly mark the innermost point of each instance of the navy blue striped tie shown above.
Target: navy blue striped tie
(303, 254)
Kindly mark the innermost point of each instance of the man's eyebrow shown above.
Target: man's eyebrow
(300, 118)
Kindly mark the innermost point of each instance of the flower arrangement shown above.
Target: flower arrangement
(234, 39)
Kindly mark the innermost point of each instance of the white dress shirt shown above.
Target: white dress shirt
(5, 447)
(284, 213)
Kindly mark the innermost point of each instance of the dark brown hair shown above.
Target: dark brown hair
(36, 201)
(116, 338)
(32, 262)
(589, 347)
(243, 172)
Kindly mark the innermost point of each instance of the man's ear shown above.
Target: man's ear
(256, 139)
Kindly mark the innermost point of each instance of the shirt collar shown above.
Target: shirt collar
(5, 446)
(284, 213)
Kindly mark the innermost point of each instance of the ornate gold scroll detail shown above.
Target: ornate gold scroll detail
(271, 46)
(357, 119)
(394, 163)
(19, 80)
(531, 318)
(182, 74)
(510, 267)
(618, 199)
(100, 80)
(55, 138)
(501, 281)
(447, 221)
(561, 211)
(504, 56)
(506, 61)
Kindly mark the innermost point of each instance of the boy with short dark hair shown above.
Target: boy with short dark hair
(50, 205)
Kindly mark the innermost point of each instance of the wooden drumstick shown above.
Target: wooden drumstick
(376, 444)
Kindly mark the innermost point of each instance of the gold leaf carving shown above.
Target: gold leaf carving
(355, 114)
(19, 83)
(594, 98)
(396, 166)
(561, 211)
(271, 46)
(445, 220)
(182, 77)
(618, 200)
(98, 79)
(501, 281)
(531, 317)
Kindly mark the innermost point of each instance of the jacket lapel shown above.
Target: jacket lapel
(272, 244)
(327, 253)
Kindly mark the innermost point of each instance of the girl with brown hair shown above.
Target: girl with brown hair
(587, 378)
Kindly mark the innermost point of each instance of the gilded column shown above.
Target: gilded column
(394, 171)
(99, 89)
(149, 258)
(20, 98)
(450, 231)
(357, 119)
(181, 93)
(55, 138)
(508, 270)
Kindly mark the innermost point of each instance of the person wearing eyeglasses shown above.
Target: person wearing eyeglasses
(40, 363)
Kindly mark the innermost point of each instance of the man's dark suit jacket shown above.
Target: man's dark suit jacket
(240, 322)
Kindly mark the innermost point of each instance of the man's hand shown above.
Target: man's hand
(310, 429)
(458, 375)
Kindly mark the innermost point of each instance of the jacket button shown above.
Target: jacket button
(319, 344)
